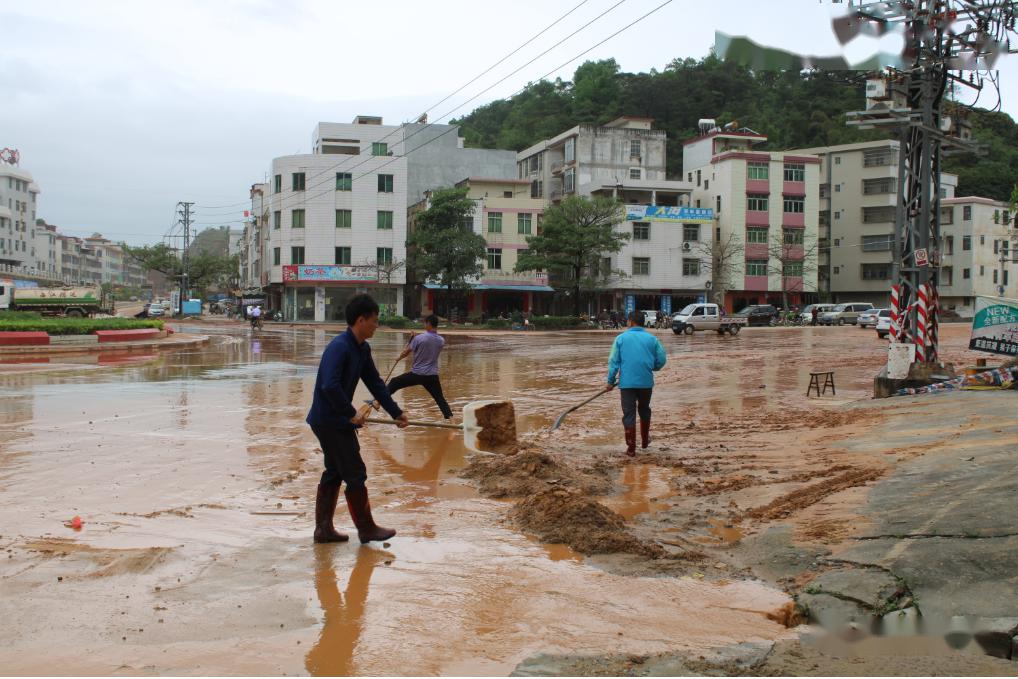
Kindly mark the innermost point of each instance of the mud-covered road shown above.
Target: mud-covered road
(194, 474)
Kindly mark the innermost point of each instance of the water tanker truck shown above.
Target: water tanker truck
(75, 302)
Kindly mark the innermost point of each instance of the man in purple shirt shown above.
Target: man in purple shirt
(426, 348)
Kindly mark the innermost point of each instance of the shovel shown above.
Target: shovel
(561, 417)
(488, 426)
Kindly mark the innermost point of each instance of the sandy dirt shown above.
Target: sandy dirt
(194, 474)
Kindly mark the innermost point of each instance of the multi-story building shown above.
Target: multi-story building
(18, 206)
(338, 215)
(858, 195)
(590, 155)
(977, 248)
(96, 260)
(766, 207)
(505, 215)
(252, 243)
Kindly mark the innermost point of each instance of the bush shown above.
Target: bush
(555, 322)
(497, 324)
(395, 322)
(77, 326)
(20, 316)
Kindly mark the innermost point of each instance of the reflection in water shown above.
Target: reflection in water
(333, 653)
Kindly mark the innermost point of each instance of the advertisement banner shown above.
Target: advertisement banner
(995, 326)
(630, 304)
(296, 273)
(666, 305)
(665, 213)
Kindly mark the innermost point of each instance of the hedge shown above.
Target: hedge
(20, 316)
(77, 326)
(556, 322)
(395, 322)
(498, 324)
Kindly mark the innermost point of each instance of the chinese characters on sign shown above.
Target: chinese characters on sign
(294, 273)
(665, 213)
(995, 326)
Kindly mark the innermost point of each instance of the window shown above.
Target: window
(570, 150)
(275, 256)
(949, 245)
(793, 236)
(641, 231)
(795, 172)
(996, 246)
(794, 204)
(756, 235)
(792, 270)
(837, 160)
(277, 184)
(1005, 276)
(881, 185)
(495, 259)
(297, 255)
(756, 267)
(344, 219)
(706, 184)
(641, 266)
(691, 232)
(719, 205)
(494, 222)
(878, 157)
(876, 272)
(634, 148)
(758, 171)
(277, 219)
(881, 243)
(697, 177)
(507, 194)
(875, 215)
(385, 183)
(379, 148)
(966, 273)
(756, 201)
(342, 255)
(537, 189)
(690, 267)
(383, 256)
(947, 275)
(947, 215)
(384, 219)
(568, 180)
(982, 271)
(298, 181)
(837, 188)
(344, 181)
(837, 214)
(297, 219)
(837, 269)
(634, 173)
(966, 242)
(689, 177)
(995, 275)
(837, 242)
(966, 213)
(982, 240)
(524, 223)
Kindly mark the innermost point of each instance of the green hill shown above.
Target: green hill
(793, 109)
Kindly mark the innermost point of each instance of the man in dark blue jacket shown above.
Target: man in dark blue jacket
(335, 421)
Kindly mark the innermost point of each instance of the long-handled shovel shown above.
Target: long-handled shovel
(577, 407)
(488, 426)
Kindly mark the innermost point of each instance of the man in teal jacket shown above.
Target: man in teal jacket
(636, 355)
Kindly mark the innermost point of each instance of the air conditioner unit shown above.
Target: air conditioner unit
(686, 247)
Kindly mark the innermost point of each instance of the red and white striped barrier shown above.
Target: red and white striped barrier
(922, 302)
(895, 291)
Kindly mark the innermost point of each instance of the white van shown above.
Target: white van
(649, 318)
(695, 317)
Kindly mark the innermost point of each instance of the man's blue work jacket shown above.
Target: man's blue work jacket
(637, 354)
(344, 362)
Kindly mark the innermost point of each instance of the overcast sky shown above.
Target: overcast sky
(122, 108)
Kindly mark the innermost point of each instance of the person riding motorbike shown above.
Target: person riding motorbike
(256, 318)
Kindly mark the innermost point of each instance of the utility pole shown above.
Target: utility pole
(942, 39)
(184, 210)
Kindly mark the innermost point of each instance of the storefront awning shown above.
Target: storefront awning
(509, 288)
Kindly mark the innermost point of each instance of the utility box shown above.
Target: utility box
(192, 307)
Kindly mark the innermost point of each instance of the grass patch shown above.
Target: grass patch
(76, 326)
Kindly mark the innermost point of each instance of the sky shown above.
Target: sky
(122, 108)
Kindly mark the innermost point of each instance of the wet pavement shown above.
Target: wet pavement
(194, 474)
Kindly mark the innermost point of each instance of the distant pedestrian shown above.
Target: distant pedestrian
(635, 356)
(335, 421)
(426, 348)
(814, 314)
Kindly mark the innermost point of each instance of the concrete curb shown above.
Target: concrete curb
(170, 342)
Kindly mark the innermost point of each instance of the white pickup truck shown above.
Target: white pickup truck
(706, 317)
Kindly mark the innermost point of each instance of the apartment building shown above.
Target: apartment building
(18, 206)
(858, 195)
(338, 216)
(766, 207)
(95, 260)
(978, 249)
(591, 155)
(505, 215)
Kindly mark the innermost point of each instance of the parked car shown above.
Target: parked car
(883, 326)
(869, 318)
(845, 313)
(806, 317)
(758, 314)
(156, 309)
(649, 318)
(695, 317)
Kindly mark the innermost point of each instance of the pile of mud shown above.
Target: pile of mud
(562, 516)
(531, 471)
(498, 427)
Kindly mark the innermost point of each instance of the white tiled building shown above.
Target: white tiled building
(978, 253)
(18, 206)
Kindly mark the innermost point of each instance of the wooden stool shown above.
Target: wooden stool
(814, 382)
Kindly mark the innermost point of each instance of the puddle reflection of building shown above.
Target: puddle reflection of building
(16, 413)
(333, 653)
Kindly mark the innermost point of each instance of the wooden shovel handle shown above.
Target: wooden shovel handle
(578, 406)
(416, 423)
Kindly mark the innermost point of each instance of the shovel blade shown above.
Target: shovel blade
(490, 427)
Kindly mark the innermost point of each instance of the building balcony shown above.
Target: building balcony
(758, 186)
(793, 188)
(792, 283)
(757, 251)
(758, 218)
(793, 219)
(755, 283)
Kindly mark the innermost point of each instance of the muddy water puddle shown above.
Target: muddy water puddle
(194, 474)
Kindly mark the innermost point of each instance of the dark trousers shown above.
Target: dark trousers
(429, 382)
(343, 461)
(634, 400)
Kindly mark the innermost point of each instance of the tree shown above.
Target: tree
(205, 269)
(443, 245)
(792, 259)
(159, 257)
(721, 258)
(575, 235)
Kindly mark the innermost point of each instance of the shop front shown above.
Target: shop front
(491, 300)
(320, 293)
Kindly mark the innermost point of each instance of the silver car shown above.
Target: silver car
(844, 313)
(883, 326)
(869, 318)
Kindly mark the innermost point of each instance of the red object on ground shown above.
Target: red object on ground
(76, 523)
(126, 335)
(24, 338)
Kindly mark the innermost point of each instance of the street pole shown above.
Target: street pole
(185, 221)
